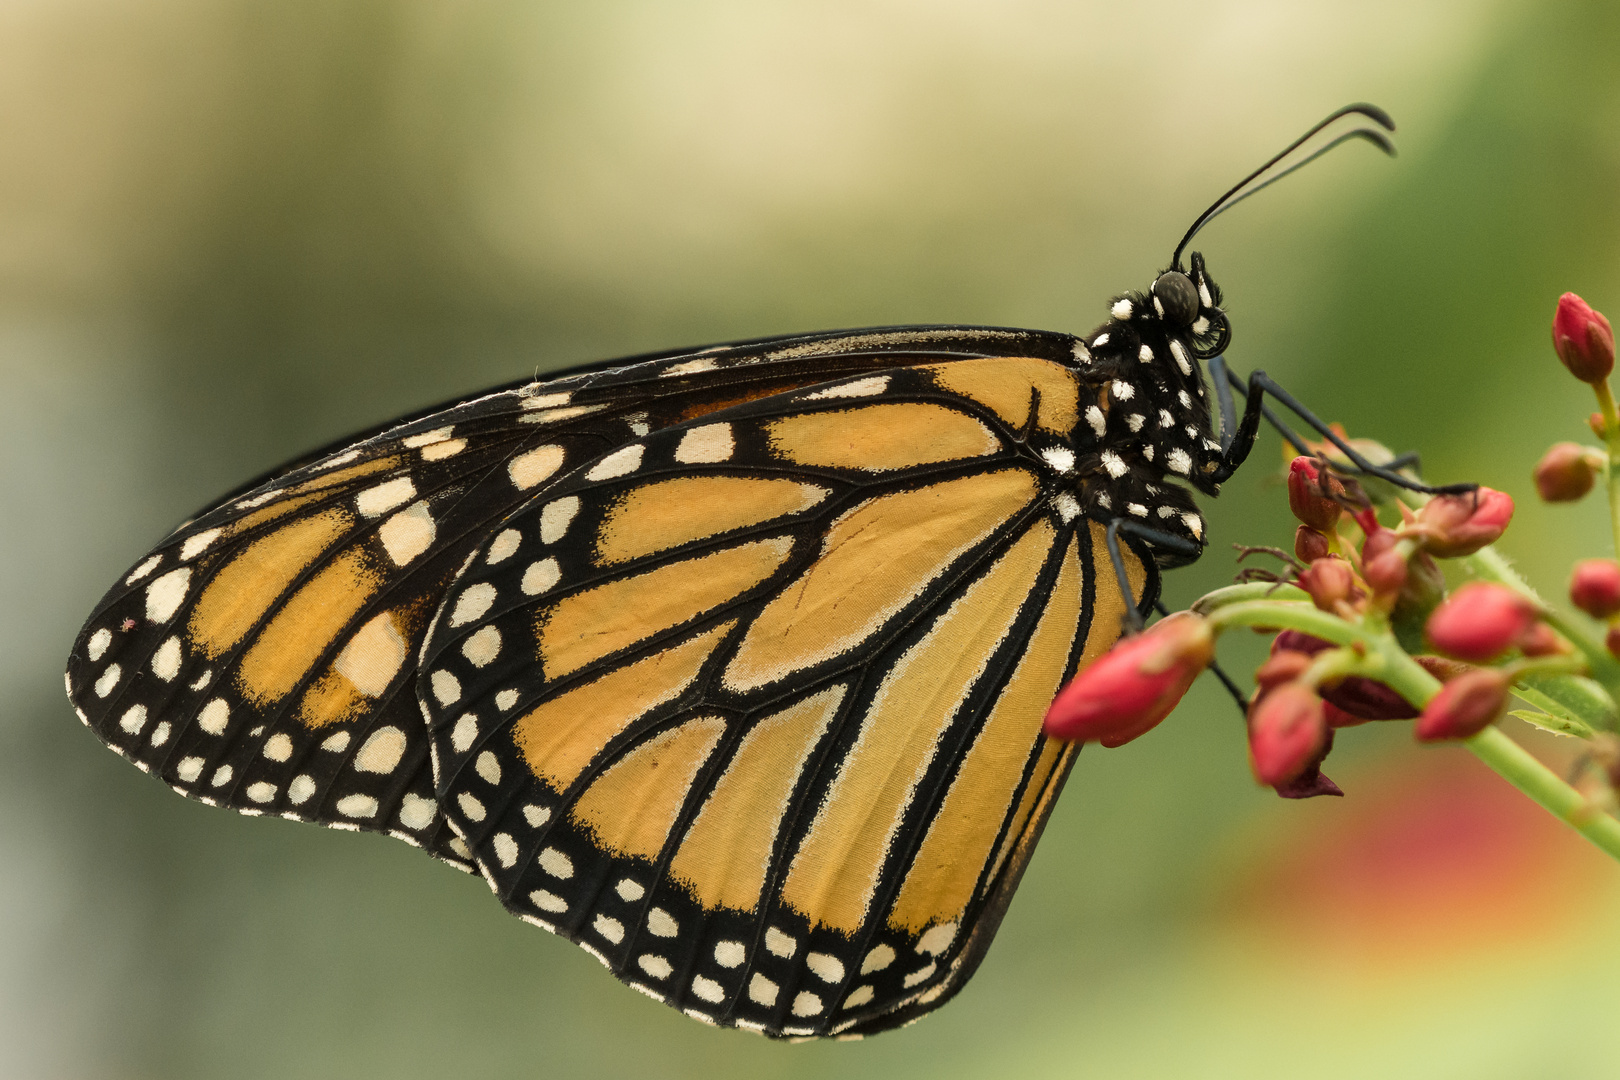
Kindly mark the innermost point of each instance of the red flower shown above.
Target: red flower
(1134, 685)
(1595, 587)
(1330, 582)
(1564, 473)
(1464, 706)
(1480, 621)
(1583, 339)
(1309, 498)
(1456, 525)
(1287, 732)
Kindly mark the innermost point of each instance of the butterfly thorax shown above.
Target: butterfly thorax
(1148, 406)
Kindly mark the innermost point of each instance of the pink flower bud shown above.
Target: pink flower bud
(1611, 641)
(1542, 640)
(1283, 666)
(1287, 730)
(1309, 498)
(1330, 582)
(1309, 545)
(1133, 686)
(1564, 473)
(1457, 525)
(1583, 339)
(1464, 706)
(1480, 621)
(1595, 587)
(1599, 426)
(1382, 565)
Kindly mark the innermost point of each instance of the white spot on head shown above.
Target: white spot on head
(621, 462)
(1136, 510)
(728, 954)
(482, 647)
(548, 901)
(1203, 292)
(408, 533)
(706, 445)
(1186, 402)
(540, 576)
(277, 747)
(762, 990)
(629, 891)
(142, 570)
(381, 752)
(506, 849)
(555, 518)
(656, 966)
(357, 806)
(471, 807)
(1179, 461)
(196, 545)
(108, 680)
(1158, 306)
(1135, 421)
(1165, 419)
(1114, 464)
(1145, 355)
(536, 816)
(708, 990)
(472, 603)
(661, 923)
(165, 594)
(133, 720)
(1061, 458)
(488, 767)
(189, 769)
(97, 645)
(1098, 422)
(1147, 451)
(827, 968)
(463, 734)
(858, 997)
(1167, 512)
(1180, 354)
(446, 687)
(261, 792)
(533, 467)
(1123, 390)
(377, 501)
(937, 939)
(222, 776)
(806, 1004)
(336, 743)
(780, 944)
(867, 387)
(1081, 353)
(503, 546)
(1099, 341)
(1121, 309)
(556, 863)
(415, 812)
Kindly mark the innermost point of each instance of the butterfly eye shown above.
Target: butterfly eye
(1176, 295)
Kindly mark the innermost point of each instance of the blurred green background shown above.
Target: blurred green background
(230, 231)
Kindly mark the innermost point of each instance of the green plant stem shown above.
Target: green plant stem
(1611, 436)
(1514, 764)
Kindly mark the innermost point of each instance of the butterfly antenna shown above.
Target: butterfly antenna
(1238, 193)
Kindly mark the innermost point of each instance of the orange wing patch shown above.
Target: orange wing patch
(668, 513)
(632, 806)
(1003, 386)
(878, 438)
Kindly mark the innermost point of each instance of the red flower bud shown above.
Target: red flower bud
(1583, 339)
(1480, 621)
(1338, 718)
(1368, 700)
(1309, 498)
(1595, 587)
(1443, 668)
(1134, 685)
(1382, 564)
(1464, 706)
(1298, 641)
(1542, 640)
(1283, 666)
(1611, 641)
(1456, 525)
(1330, 581)
(1564, 473)
(1287, 730)
(1309, 545)
(1599, 426)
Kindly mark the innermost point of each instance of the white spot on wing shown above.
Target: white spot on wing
(278, 747)
(762, 990)
(806, 1004)
(357, 806)
(336, 743)
(416, 812)
(656, 966)
(133, 720)
(108, 680)
(470, 806)
(661, 923)
(937, 939)
(377, 501)
(556, 863)
(165, 594)
(548, 901)
(196, 545)
(427, 438)
(780, 944)
(446, 687)
(472, 603)
(867, 387)
(381, 752)
(166, 661)
(534, 466)
(488, 767)
(629, 891)
(707, 989)
(214, 717)
(707, 444)
(261, 792)
(408, 533)
(503, 546)
(728, 954)
(621, 462)
(506, 850)
(97, 645)
(142, 570)
(825, 967)
(463, 734)
(555, 518)
(482, 647)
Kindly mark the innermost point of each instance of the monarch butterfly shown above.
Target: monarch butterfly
(727, 664)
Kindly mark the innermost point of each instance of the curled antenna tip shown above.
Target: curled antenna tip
(1371, 112)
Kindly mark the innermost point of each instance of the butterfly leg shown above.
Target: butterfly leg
(1179, 545)
(1232, 687)
(1238, 439)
